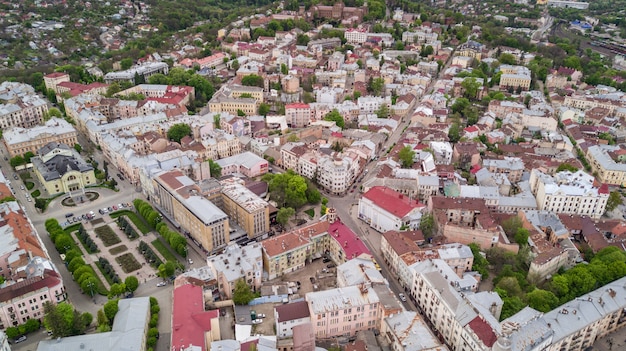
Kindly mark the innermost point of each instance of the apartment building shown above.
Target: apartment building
(356, 35)
(515, 77)
(52, 80)
(205, 62)
(385, 209)
(245, 208)
(584, 102)
(145, 71)
(166, 94)
(466, 321)
(180, 197)
(235, 263)
(19, 141)
(245, 163)
(233, 105)
(344, 244)
(298, 115)
(609, 171)
(336, 173)
(569, 193)
(290, 153)
(512, 167)
(191, 323)
(21, 106)
(291, 251)
(344, 311)
(219, 144)
(290, 315)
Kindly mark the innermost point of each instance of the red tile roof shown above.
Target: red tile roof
(296, 238)
(50, 279)
(484, 331)
(56, 75)
(351, 244)
(403, 242)
(392, 201)
(190, 321)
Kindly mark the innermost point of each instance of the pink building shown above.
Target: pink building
(344, 311)
(298, 115)
(24, 300)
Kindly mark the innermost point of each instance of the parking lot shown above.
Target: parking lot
(72, 217)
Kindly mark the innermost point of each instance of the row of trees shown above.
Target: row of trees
(127, 228)
(63, 320)
(89, 244)
(27, 327)
(149, 254)
(108, 270)
(174, 239)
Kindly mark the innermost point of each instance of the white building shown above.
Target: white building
(290, 315)
(336, 173)
(20, 106)
(385, 209)
(356, 36)
(407, 331)
(569, 193)
(442, 151)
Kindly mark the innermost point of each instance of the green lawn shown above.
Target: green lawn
(143, 227)
(36, 193)
(128, 262)
(310, 212)
(164, 251)
(108, 236)
(102, 290)
(29, 185)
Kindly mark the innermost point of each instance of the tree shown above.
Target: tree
(252, 80)
(78, 148)
(383, 111)
(283, 69)
(242, 294)
(542, 300)
(264, 109)
(126, 63)
(566, 167)
(215, 168)
(178, 131)
(615, 199)
(89, 285)
(110, 309)
(507, 59)
(336, 117)
(511, 225)
(427, 51)
(510, 285)
(480, 262)
(132, 283)
(454, 133)
(63, 320)
(116, 290)
(406, 156)
(287, 189)
(167, 269)
(284, 214)
(427, 225)
(470, 86)
(521, 236)
(375, 86)
(17, 161)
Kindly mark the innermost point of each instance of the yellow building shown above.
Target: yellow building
(19, 141)
(60, 169)
(256, 93)
(233, 105)
(180, 197)
(608, 171)
(245, 208)
(515, 77)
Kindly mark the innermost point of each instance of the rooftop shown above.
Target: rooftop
(392, 201)
(54, 126)
(189, 319)
(242, 196)
(294, 239)
(340, 298)
(412, 332)
(351, 244)
(292, 311)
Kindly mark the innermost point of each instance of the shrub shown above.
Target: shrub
(128, 262)
(118, 250)
(107, 235)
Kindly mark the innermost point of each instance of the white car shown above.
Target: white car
(257, 321)
(190, 261)
(160, 284)
(402, 297)
(260, 316)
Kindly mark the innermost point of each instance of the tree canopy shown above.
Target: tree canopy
(284, 214)
(252, 80)
(242, 294)
(615, 199)
(291, 190)
(406, 156)
(336, 117)
(215, 168)
(178, 131)
(63, 320)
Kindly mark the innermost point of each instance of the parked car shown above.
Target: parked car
(402, 297)
(331, 265)
(22, 187)
(260, 315)
(110, 209)
(114, 208)
(119, 175)
(190, 261)
(257, 321)
(68, 215)
(312, 280)
(20, 339)
(326, 260)
(160, 284)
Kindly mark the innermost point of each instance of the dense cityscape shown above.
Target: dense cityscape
(307, 176)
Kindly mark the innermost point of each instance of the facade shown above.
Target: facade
(336, 173)
(515, 77)
(237, 262)
(569, 193)
(385, 209)
(245, 208)
(21, 106)
(19, 141)
(129, 331)
(60, 169)
(291, 251)
(52, 80)
(344, 311)
(298, 115)
(288, 316)
(180, 197)
(246, 163)
(609, 171)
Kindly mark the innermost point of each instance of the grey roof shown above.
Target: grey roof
(525, 330)
(57, 165)
(127, 334)
(358, 270)
(412, 332)
(545, 219)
